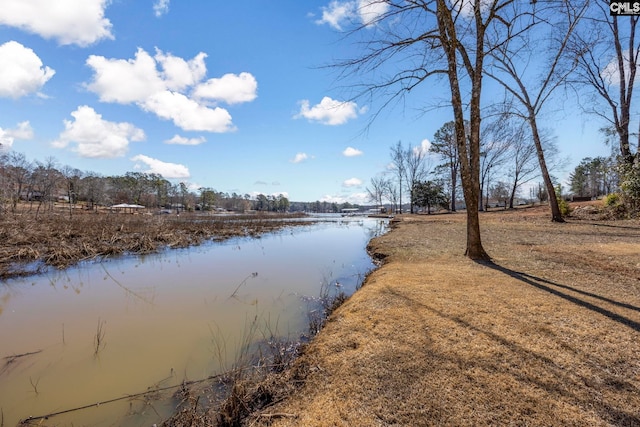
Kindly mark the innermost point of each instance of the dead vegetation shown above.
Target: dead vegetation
(29, 245)
(546, 334)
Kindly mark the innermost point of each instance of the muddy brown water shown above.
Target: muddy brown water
(162, 319)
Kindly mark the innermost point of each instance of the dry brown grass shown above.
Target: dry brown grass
(29, 244)
(548, 334)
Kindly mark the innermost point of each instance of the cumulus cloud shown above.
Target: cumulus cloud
(22, 131)
(338, 12)
(22, 71)
(328, 111)
(167, 170)
(366, 12)
(466, 7)
(160, 7)
(79, 22)
(370, 11)
(230, 88)
(611, 72)
(125, 81)
(181, 140)
(95, 137)
(299, 158)
(187, 114)
(179, 74)
(354, 198)
(352, 182)
(352, 152)
(163, 84)
(423, 148)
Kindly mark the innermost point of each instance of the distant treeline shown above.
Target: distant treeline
(41, 184)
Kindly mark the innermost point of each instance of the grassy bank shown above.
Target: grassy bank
(548, 334)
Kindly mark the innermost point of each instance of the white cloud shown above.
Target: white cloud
(423, 148)
(167, 170)
(8, 136)
(611, 74)
(352, 182)
(371, 10)
(161, 7)
(179, 74)
(79, 22)
(181, 140)
(161, 84)
(22, 71)
(354, 198)
(299, 158)
(230, 88)
(95, 137)
(367, 12)
(328, 111)
(352, 152)
(187, 114)
(337, 13)
(466, 7)
(125, 81)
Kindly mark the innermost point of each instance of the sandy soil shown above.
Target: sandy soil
(548, 334)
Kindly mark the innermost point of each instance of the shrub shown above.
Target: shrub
(565, 209)
(630, 185)
(612, 200)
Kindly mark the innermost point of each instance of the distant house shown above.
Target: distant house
(126, 208)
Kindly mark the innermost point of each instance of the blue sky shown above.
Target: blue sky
(222, 94)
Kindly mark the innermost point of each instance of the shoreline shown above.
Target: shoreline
(547, 334)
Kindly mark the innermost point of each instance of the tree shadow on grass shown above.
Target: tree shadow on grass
(567, 384)
(555, 289)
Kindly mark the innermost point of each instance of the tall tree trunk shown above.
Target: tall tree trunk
(469, 156)
(454, 184)
(556, 216)
(513, 192)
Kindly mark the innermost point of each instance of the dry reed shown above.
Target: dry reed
(30, 245)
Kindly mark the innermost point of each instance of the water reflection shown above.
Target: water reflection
(162, 319)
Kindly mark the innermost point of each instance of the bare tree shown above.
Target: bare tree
(390, 192)
(523, 155)
(426, 39)
(399, 164)
(18, 172)
(511, 62)
(4, 182)
(376, 189)
(46, 179)
(72, 178)
(493, 149)
(607, 55)
(444, 144)
(415, 168)
(93, 189)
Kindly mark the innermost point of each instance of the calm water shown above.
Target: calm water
(165, 318)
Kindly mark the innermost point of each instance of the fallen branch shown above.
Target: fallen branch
(30, 420)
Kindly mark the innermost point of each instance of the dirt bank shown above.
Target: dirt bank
(547, 335)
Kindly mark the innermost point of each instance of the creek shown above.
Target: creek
(104, 330)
